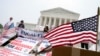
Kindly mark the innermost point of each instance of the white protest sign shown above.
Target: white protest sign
(29, 33)
(9, 33)
(22, 45)
(3, 40)
(8, 52)
(41, 45)
(44, 44)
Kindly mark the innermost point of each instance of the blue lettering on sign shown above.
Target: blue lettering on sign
(31, 33)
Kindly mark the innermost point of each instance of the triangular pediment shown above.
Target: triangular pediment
(58, 10)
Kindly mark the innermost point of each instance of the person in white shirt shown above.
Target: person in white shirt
(9, 24)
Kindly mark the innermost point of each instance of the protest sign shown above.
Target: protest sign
(29, 33)
(3, 40)
(8, 52)
(9, 33)
(44, 44)
(22, 45)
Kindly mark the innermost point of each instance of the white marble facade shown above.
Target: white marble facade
(56, 16)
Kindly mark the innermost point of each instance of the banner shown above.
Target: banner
(25, 45)
(8, 52)
(44, 44)
(3, 40)
(22, 45)
(9, 33)
(29, 33)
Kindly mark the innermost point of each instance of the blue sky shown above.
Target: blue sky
(29, 10)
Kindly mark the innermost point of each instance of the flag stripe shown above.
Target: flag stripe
(72, 40)
(66, 42)
(72, 35)
(65, 26)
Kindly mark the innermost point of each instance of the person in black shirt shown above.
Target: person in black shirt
(46, 29)
(21, 24)
(85, 45)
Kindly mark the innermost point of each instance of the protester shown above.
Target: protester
(46, 29)
(84, 44)
(21, 24)
(9, 24)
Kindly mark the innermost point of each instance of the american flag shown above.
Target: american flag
(74, 32)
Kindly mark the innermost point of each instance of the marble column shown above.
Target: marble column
(70, 20)
(54, 23)
(50, 22)
(65, 21)
(45, 20)
(60, 21)
(40, 21)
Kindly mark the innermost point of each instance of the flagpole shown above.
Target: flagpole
(97, 29)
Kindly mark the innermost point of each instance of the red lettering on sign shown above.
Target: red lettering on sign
(18, 48)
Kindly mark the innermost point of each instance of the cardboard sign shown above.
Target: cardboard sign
(22, 45)
(29, 33)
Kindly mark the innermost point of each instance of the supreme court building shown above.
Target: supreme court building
(57, 16)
